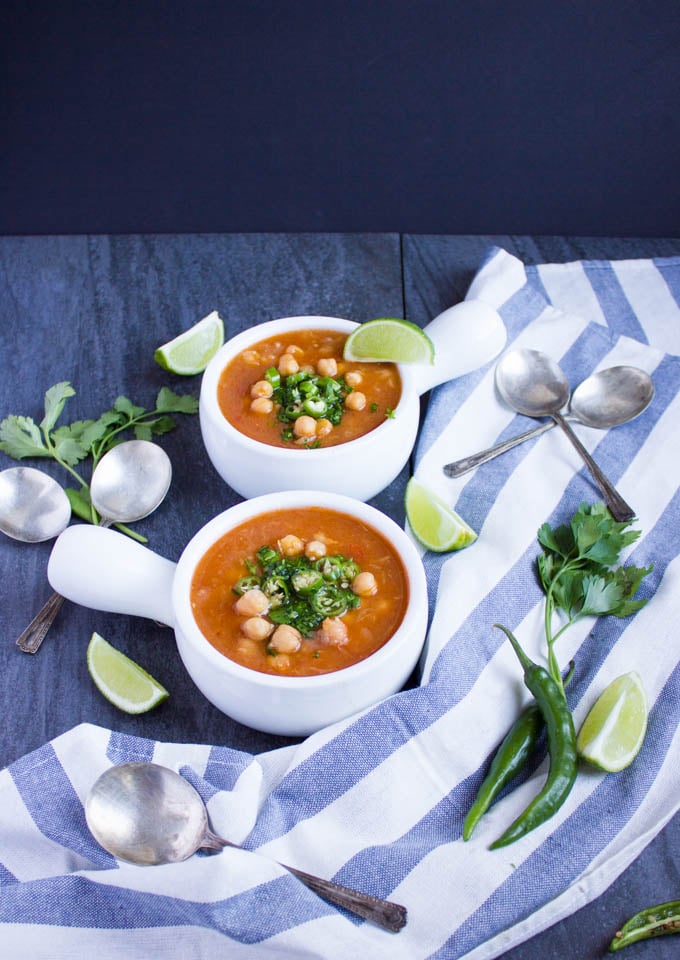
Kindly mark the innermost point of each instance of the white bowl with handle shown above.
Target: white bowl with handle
(105, 570)
(465, 337)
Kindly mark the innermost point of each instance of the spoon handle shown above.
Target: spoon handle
(35, 632)
(618, 507)
(383, 913)
(460, 467)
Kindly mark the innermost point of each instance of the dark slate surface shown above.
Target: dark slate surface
(437, 273)
(92, 310)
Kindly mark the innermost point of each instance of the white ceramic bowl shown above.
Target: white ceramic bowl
(465, 337)
(105, 570)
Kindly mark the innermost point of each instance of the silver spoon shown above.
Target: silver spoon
(533, 384)
(147, 814)
(33, 506)
(129, 482)
(606, 399)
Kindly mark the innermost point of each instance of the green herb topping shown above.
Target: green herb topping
(307, 394)
(302, 592)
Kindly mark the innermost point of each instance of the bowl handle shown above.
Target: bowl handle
(105, 570)
(465, 337)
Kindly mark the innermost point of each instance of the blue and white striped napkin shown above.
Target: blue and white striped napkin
(377, 803)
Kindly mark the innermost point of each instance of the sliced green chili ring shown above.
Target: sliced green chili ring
(276, 588)
(245, 584)
(306, 581)
(328, 601)
(331, 567)
(273, 376)
(315, 408)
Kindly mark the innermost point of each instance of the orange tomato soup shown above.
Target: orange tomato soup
(372, 390)
(322, 534)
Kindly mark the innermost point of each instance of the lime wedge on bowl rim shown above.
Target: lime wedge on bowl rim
(433, 522)
(122, 681)
(390, 340)
(613, 731)
(190, 352)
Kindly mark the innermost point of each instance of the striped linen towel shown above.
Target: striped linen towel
(377, 802)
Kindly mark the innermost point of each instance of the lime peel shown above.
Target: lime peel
(190, 352)
(122, 681)
(613, 732)
(433, 522)
(388, 339)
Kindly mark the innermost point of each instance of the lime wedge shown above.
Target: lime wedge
(190, 352)
(433, 522)
(613, 731)
(123, 682)
(397, 341)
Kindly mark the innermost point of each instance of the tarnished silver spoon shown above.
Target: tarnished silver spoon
(147, 814)
(129, 482)
(33, 506)
(533, 384)
(606, 399)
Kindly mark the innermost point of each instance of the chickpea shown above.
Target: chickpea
(291, 546)
(256, 628)
(287, 364)
(262, 405)
(305, 427)
(323, 427)
(327, 367)
(315, 549)
(262, 388)
(353, 378)
(285, 639)
(281, 662)
(333, 632)
(364, 584)
(252, 603)
(355, 400)
(294, 349)
(251, 357)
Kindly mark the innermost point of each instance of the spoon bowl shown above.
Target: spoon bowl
(608, 398)
(612, 397)
(531, 383)
(147, 814)
(33, 506)
(128, 483)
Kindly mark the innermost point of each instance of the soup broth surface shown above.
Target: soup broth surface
(371, 390)
(215, 604)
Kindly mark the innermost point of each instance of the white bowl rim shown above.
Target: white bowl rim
(214, 529)
(240, 341)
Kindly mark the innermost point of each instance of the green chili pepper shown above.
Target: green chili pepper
(561, 735)
(512, 754)
(652, 922)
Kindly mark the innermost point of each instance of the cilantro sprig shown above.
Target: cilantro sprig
(581, 575)
(71, 444)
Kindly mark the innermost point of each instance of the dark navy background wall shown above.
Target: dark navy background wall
(520, 116)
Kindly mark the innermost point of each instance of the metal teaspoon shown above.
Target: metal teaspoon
(129, 482)
(533, 384)
(147, 814)
(606, 399)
